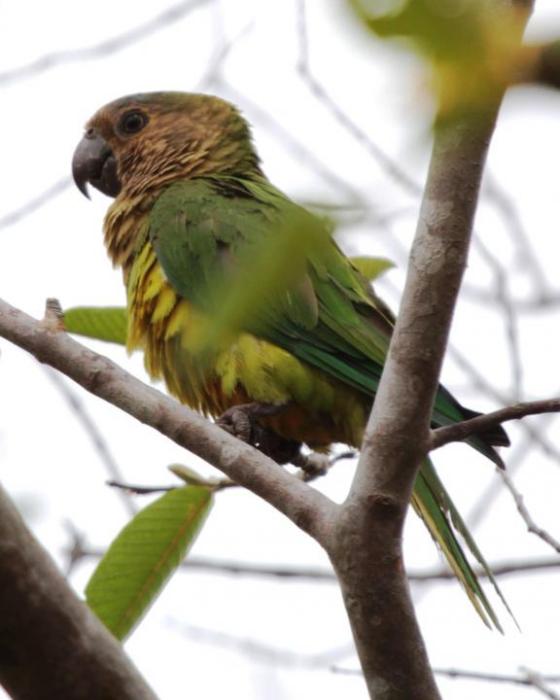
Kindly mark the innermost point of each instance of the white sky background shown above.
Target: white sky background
(47, 461)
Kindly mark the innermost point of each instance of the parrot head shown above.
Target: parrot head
(140, 142)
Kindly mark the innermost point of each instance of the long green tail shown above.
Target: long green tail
(434, 505)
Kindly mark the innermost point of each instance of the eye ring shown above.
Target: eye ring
(132, 122)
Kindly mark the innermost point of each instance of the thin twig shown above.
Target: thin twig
(298, 149)
(487, 421)
(526, 256)
(260, 650)
(463, 674)
(503, 299)
(35, 203)
(78, 550)
(57, 188)
(528, 305)
(515, 461)
(498, 569)
(392, 168)
(538, 681)
(216, 62)
(82, 415)
(104, 48)
(524, 513)
(140, 490)
(325, 660)
(482, 384)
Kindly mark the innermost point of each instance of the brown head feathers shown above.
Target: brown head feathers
(157, 138)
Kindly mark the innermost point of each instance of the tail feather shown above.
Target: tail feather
(447, 411)
(434, 505)
(496, 436)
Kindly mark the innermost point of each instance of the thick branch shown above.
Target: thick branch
(388, 640)
(51, 645)
(480, 424)
(307, 508)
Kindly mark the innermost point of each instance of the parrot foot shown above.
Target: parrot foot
(242, 422)
(318, 464)
(312, 465)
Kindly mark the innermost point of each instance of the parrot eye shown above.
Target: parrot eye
(132, 122)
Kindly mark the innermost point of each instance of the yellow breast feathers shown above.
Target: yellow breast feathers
(167, 328)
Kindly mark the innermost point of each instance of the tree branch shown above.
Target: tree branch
(537, 681)
(308, 509)
(524, 679)
(527, 679)
(51, 645)
(498, 569)
(94, 433)
(391, 167)
(261, 651)
(36, 202)
(114, 44)
(463, 430)
(78, 550)
(388, 641)
(524, 513)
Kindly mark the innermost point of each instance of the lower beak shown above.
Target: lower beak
(94, 163)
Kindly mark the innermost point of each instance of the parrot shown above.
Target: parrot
(192, 220)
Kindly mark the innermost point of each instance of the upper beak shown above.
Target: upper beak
(94, 162)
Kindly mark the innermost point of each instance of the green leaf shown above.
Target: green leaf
(107, 323)
(144, 555)
(371, 268)
(188, 475)
(193, 478)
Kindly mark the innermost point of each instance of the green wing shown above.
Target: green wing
(206, 229)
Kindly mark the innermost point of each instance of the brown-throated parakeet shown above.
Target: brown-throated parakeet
(191, 202)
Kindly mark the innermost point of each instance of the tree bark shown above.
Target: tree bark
(51, 645)
(306, 507)
(366, 549)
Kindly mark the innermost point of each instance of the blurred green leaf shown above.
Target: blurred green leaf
(371, 268)
(272, 270)
(107, 323)
(442, 28)
(472, 46)
(267, 273)
(144, 555)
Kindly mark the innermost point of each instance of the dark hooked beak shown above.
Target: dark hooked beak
(95, 163)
